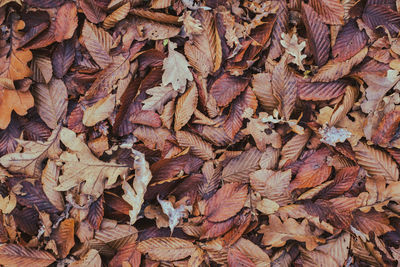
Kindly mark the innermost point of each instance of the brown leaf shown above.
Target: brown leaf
(240, 105)
(227, 87)
(317, 91)
(62, 58)
(343, 181)
(387, 128)
(96, 213)
(376, 15)
(262, 88)
(127, 253)
(349, 42)
(284, 88)
(276, 233)
(228, 201)
(166, 248)
(313, 171)
(64, 237)
(49, 181)
(237, 258)
(344, 106)
(92, 11)
(371, 221)
(185, 106)
(317, 33)
(17, 255)
(117, 15)
(51, 101)
(331, 11)
(13, 100)
(293, 148)
(98, 42)
(376, 162)
(66, 22)
(204, 50)
(335, 70)
(272, 185)
(91, 258)
(239, 168)
(198, 146)
(281, 25)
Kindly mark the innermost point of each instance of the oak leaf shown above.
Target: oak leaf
(277, 233)
(13, 100)
(176, 69)
(35, 152)
(159, 96)
(293, 48)
(80, 165)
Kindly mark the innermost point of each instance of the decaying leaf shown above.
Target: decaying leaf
(176, 69)
(166, 248)
(80, 165)
(134, 194)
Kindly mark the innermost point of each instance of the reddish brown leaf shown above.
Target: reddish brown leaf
(63, 57)
(317, 33)
(371, 221)
(64, 237)
(127, 253)
(343, 181)
(247, 100)
(216, 229)
(321, 91)
(17, 255)
(313, 171)
(237, 258)
(331, 11)
(387, 128)
(92, 11)
(227, 87)
(377, 15)
(281, 25)
(66, 22)
(349, 41)
(198, 146)
(96, 213)
(228, 201)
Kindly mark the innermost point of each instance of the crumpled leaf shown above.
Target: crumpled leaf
(134, 194)
(159, 96)
(8, 203)
(277, 233)
(35, 152)
(176, 69)
(294, 48)
(174, 215)
(13, 100)
(80, 165)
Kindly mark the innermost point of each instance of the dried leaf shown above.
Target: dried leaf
(176, 69)
(317, 33)
(51, 101)
(80, 165)
(332, 70)
(64, 237)
(294, 49)
(17, 255)
(198, 146)
(134, 195)
(276, 233)
(117, 15)
(98, 42)
(101, 110)
(284, 88)
(262, 88)
(228, 201)
(204, 51)
(239, 168)
(185, 107)
(66, 22)
(227, 87)
(331, 11)
(29, 162)
(166, 248)
(91, 258)
(376, 162)
(13, 100)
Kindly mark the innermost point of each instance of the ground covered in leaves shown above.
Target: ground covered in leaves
(199, 133)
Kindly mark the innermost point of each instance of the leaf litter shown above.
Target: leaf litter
(199, 133)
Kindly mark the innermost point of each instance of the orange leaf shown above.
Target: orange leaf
(15, 100)
(228, 201)
(64, 237)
